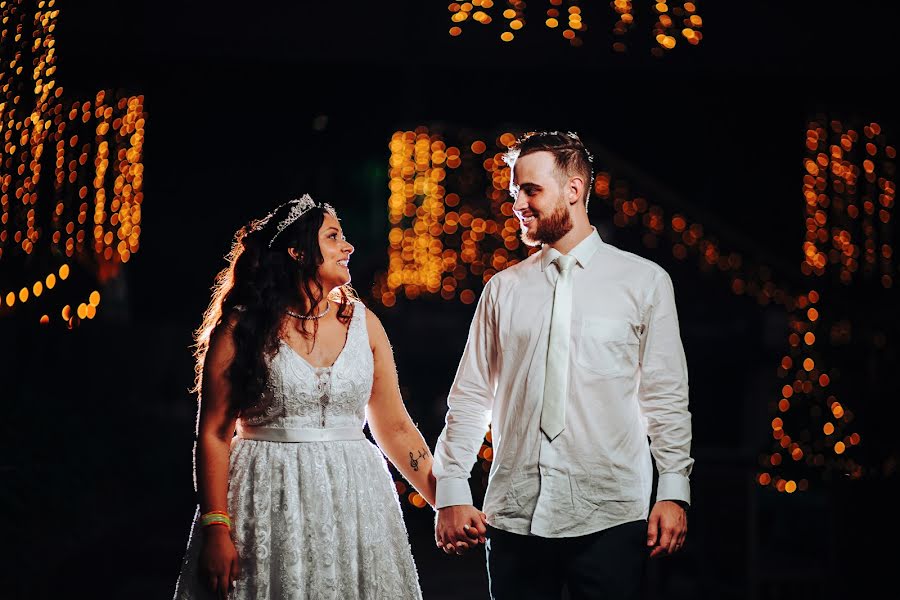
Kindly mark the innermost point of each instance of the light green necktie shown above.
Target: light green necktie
(553, 411)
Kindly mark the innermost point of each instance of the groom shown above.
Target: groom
(574, 356)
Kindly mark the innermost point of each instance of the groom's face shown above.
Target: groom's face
(539, 205)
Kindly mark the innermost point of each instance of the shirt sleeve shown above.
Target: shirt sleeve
(469, 407)
(663, 392)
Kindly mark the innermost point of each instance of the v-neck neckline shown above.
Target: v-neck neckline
(340, 354)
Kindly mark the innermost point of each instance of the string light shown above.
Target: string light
(849, 193)
(567, 18)
(448, 237)
(91, 150)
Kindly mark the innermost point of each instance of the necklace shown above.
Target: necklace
(311, 317)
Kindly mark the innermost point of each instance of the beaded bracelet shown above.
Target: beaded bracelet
(216, 517)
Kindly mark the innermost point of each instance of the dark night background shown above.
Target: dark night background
(250, 105)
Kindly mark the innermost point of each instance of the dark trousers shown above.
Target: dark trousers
(608, 564)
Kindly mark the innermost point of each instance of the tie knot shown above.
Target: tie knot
(564, 262)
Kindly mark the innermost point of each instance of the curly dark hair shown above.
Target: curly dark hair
(569, 153)
(252, 293)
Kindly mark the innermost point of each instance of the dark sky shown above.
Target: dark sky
(232, 94)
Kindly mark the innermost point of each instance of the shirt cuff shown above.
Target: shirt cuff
(672, 486)
(452, 492)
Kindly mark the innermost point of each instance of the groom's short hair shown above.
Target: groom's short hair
(569, 154)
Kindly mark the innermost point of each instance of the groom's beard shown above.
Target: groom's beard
(549, 228)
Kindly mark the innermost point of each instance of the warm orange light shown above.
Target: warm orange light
(809, 338)
(837, 410)
(839, 448)
(809, 364)
(94, 299)
(787, 391)
(828, 428)
(813, 314)
(784, 405)
(64, 272)
(790, 487)
(777, 423)
(764, 479)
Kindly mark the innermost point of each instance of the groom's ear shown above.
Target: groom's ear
(574, 189)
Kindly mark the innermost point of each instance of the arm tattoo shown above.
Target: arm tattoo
(414, 460)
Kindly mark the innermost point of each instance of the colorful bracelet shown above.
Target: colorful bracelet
(216, 517)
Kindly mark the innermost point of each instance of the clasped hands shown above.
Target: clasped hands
(458, 528)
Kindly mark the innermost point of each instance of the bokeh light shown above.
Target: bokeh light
(71, 178)
(673, 21)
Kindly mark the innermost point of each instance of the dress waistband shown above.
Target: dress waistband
(307, 434)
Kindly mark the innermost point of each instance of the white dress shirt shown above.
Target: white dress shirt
(627, 380)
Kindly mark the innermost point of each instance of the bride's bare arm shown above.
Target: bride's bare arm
(390, 423)
(215, 428)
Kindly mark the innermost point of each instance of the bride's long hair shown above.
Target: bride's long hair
(252, 293)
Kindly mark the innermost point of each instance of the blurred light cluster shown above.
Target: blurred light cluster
(688, 240)
(451, 215)
(71, 174)
(810, 428)
(850, 191)
(567, 17)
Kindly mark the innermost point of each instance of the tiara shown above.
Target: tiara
(300, 207)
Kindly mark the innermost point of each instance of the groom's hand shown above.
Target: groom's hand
(456, 528)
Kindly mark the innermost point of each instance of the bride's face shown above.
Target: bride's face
(336, 250)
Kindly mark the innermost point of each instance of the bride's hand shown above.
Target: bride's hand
(219, 560)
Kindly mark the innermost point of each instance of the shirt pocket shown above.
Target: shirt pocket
(607, 347)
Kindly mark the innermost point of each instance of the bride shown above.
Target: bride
(298, 504)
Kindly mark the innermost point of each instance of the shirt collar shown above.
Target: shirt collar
(583, 252)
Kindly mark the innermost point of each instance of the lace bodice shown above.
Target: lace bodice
(299, 395)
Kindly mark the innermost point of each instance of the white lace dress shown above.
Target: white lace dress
(312, 519)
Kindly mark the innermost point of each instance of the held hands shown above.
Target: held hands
(666, 529)
(457, 528)
(219, 561)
